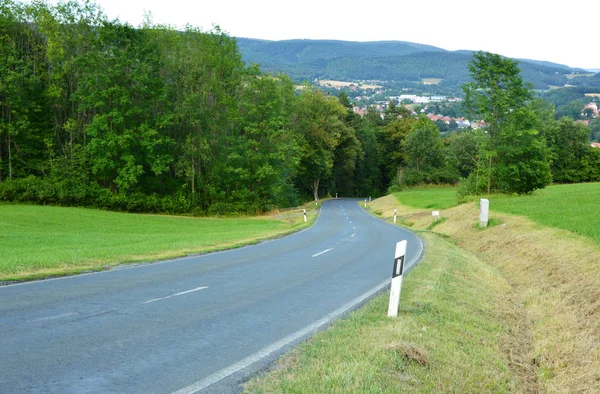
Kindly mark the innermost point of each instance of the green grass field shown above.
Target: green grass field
(38, 241)
(574, 207)
(429, 197)
(571, 207)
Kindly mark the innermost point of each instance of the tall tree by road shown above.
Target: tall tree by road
(319, 120)
(513, 147)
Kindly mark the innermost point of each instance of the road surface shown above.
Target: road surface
(197, 324)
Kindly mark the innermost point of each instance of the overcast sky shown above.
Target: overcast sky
(561, 32)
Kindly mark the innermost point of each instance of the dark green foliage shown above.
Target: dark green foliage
(320, 122)
(570, 154)
(462, 151)
(567, 102)
(595, 129)
(522, 160)
(513, 154)
(366, 174)
(419, 154)
(95, 112)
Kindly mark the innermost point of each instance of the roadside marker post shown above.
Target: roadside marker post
(395, 215)
(305, 216)
(436, 215)
(484, 212)
(396, 286)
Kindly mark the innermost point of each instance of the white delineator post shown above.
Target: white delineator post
(484, 212)
(397, 279)
(305, 216)
(395, 215)
(436, 215)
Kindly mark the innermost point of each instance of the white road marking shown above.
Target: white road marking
(55, 316)
(265, 352)
(323, 252)
(174, 295)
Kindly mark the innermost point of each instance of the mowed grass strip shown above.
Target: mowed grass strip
(450, 336)
(575, 208)
(38, 241)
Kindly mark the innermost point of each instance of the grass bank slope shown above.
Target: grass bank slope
(553, 271)
(450, 335)
(40, 241)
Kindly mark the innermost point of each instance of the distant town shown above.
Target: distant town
(445, 111)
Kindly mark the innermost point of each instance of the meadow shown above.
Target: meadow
(39, 241)
(572, 207)
(575, 208)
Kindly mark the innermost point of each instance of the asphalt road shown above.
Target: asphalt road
(197, 324)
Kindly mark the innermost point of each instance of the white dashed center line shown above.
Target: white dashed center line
(323, 252)
(175, 295)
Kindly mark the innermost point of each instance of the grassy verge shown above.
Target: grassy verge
(41, 241)
(450, 336)
(554, 271)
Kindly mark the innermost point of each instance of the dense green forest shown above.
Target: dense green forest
(95, 112)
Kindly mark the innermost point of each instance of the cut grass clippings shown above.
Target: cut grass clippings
(453, 324)
(42, 241)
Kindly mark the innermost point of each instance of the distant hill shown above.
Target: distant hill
(382, 60)
(313, 50)
(553, 65)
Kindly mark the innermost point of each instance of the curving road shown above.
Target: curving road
(196, 324)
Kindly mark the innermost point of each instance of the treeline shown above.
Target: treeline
(97, 113)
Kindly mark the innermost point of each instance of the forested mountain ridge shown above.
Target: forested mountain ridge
(381, 60)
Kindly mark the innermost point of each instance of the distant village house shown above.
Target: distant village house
(591, 108)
